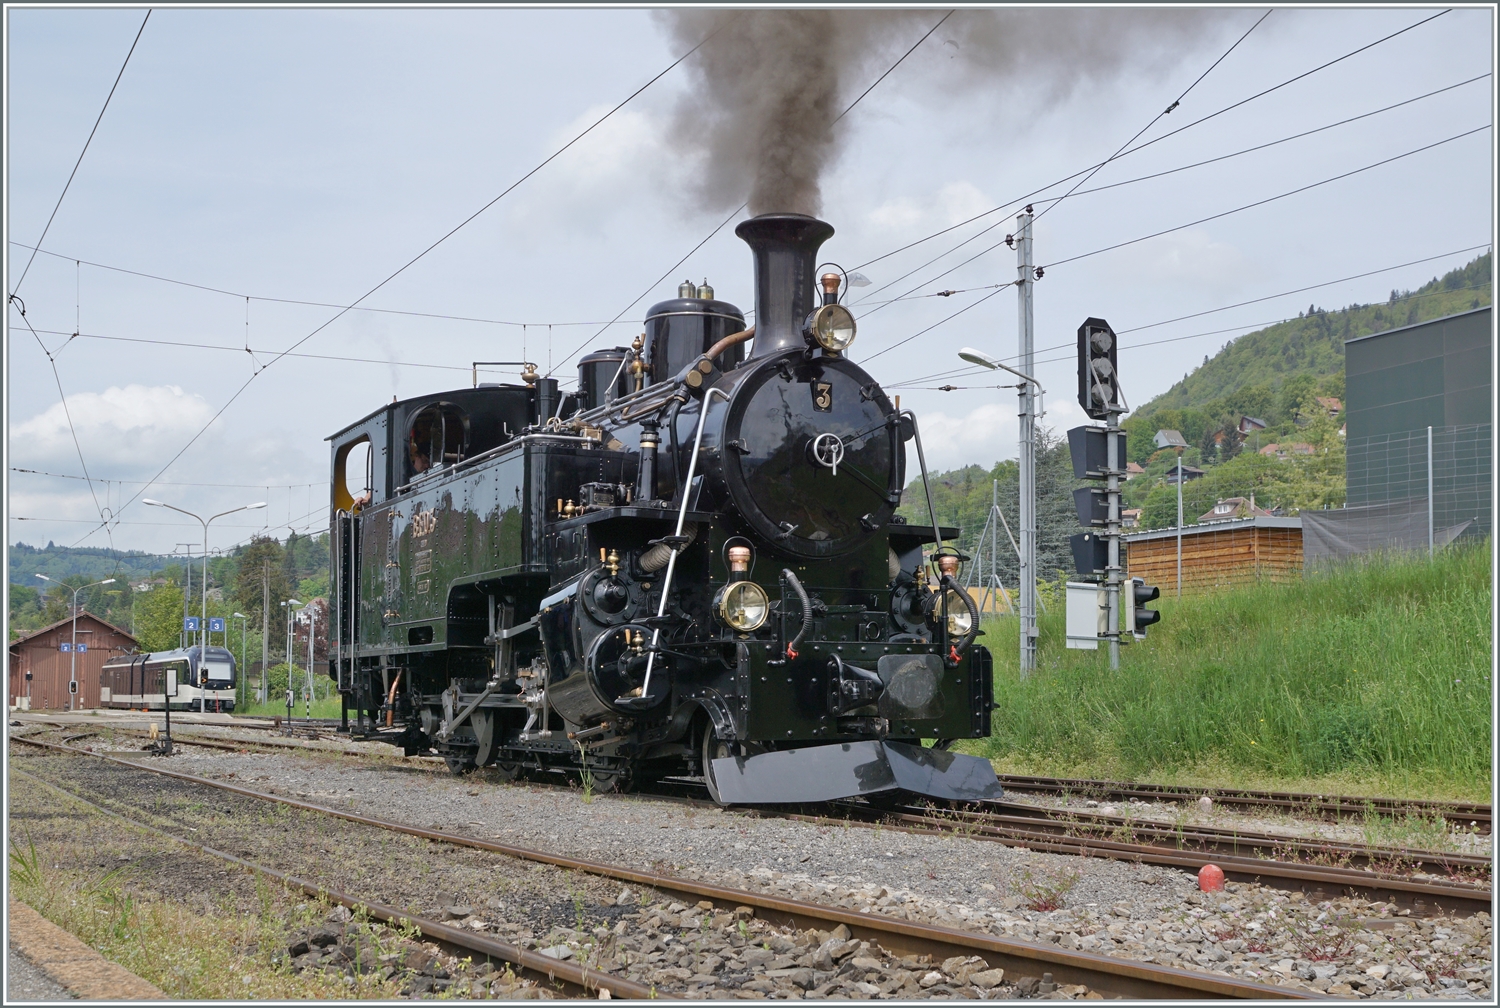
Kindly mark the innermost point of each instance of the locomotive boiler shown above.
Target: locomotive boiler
(689, 566)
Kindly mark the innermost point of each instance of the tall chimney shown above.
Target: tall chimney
(785, 247)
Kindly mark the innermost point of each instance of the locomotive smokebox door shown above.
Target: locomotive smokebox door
(813, 503)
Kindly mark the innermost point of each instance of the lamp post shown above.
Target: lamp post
(239, 687)
(312, 626)
(73, 647)
(291, 606)
(203, 619)
(1172, 439)
(1029, 402)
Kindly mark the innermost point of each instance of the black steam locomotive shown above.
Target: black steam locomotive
(689, 566)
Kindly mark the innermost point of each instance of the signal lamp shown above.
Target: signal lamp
(832, 326)
(742, 606)
(1137, 615)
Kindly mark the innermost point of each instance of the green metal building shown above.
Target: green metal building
(1420, 421)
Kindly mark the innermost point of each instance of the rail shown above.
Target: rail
(579, 978)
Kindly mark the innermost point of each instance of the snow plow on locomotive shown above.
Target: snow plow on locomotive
(691, 565)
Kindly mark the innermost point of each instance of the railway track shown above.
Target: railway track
(576, 979)
(1448, 883)
(1108, 976)
(1462, 814)
(1036, 831)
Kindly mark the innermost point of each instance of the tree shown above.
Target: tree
(261, 556)
(158, 618)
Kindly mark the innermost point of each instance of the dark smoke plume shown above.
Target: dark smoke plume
(770, 84)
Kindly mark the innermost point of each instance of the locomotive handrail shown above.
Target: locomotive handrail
(666, 581)
(916, 434)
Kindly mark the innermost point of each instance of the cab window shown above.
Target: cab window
(438, 437)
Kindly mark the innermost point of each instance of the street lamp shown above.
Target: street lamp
(1027, 461)
(985, 360)
(239, 691)
(312, 626)
(1172, 439)
(203, 620)
(290, 605)
(73, 648)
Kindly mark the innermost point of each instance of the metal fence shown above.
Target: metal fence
(1416, 490)
(1451, 477)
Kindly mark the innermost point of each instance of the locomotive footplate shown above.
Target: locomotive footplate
(852, 769)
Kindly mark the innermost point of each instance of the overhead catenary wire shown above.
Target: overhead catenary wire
(420, 255)
(235, 349)
(912, 293)
(255, 486)
(1178, 339)
(107, 98)
(1269, 199)
(952, 269)
(297, 301)
(1033, 196)
(1187, 126)
(618, 319)
(1154, 119)
(1211, 311)
(67, 413)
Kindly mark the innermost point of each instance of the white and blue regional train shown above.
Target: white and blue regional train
(202, 679)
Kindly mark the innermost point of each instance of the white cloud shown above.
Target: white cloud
(983, 436)
(119, 429)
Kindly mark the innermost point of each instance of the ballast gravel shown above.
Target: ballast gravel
(1342, 947)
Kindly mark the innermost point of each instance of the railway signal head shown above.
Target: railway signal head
(1098, 371)
(1138, 615)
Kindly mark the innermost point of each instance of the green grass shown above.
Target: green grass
(325, 708)
(1371, 679)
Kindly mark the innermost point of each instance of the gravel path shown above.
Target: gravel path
(25, 981)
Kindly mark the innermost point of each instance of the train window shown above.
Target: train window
(438, 437)
(354, 475)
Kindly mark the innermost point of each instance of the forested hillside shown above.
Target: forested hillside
(147, 597)
(1275, 373)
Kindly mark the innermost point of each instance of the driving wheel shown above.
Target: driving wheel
(713, 748)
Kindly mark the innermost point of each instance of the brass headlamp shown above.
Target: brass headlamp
(832, 326)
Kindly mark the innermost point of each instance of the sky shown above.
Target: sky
(278, 156)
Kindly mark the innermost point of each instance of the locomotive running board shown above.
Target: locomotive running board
(851, 769)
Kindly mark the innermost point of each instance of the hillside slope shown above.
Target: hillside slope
(1275, 372)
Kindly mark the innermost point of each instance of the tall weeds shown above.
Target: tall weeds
(1378, 668)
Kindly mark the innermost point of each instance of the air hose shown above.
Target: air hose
(807, 611)
(958, 651)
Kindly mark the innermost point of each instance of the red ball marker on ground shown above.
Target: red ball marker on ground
(1210, 878)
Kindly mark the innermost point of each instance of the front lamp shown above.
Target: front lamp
(742, 606)
(832, 326)
(959, 620)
